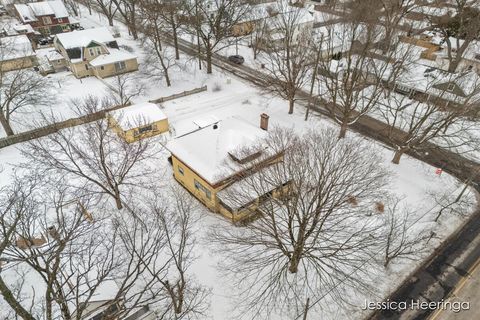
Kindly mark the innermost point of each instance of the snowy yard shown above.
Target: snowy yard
(416, 183)
(411, 180)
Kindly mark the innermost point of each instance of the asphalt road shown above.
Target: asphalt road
(467, 291)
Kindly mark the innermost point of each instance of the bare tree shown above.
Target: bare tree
(185, 296)
(392, 17)
(125, 87)
(128, 9)
(93, 157)
(15, 204)
(212, 22)
(458, 30)
(76, 248)
(403, 238)
(352, 84)
(427, 121)
(313, 234)
(171, 14)
(260, 31)
(288, 58)
(20, 88)
(154, 29)
(108, 8)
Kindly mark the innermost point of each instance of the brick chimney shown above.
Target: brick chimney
(264, 121)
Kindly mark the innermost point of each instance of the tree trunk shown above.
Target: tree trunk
(291, 104)
(453, 65)
(6, 125)
(343, 130)
(294, 262)
(398, 155)
(110, 20)
(209, 61)
(387, 261)
(134, 33)
(175, 38)
(13, 303)
(118, 200)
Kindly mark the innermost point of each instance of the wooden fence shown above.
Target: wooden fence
(55, 127)
(180, 95)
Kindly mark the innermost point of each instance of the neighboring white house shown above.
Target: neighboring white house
(94, 52)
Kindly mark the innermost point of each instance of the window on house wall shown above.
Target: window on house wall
(145, 129)
(200, 187)
(91, 51)
(180, 170)
(119, 66)
(102, 68)
(47, 20)
(98, 50)
(60, 20)
(451, 87)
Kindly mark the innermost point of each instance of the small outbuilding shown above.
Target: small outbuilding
(16, 53)
(138, 121)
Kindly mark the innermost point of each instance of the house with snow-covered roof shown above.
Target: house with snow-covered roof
(277, 16)
(138, 121)
(94, 52)
(210, 160)
(16, 53)
(470, 57)
(45, 17)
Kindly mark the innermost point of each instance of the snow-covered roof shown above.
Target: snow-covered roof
(427, 79)
(15, 47)
(82, 38)
(54, 55)
(41, 8)
(138, 115)
(30, 11)
(106, 291)
(58, 8)
(25, 12)
(113, 55)
(268, 11)
(247, 190)
(206, 150)
(12, 30)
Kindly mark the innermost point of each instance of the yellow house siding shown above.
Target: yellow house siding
(130, 136)
(89, 56)
(17, 64)
(109, 70)
(243, 28)
(187, 179)
(81, 69)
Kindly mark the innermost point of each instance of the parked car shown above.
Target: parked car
(43, 41)
(236, 59)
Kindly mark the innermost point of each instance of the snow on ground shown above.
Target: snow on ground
(411, 179)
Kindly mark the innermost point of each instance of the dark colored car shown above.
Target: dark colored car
(43, 41)
(236, 59)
